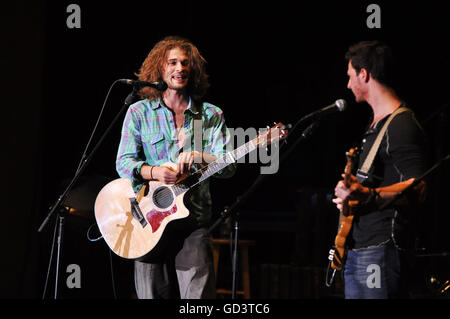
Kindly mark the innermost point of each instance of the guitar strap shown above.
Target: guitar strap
(198, 142)
(198, 138)
(363, 172)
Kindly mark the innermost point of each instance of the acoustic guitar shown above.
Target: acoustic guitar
(133, 225)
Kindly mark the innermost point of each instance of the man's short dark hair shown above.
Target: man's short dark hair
(376, 57)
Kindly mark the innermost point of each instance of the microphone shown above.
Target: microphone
(160, 86)
(338, 106)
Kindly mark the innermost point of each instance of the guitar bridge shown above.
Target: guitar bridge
(136, 212)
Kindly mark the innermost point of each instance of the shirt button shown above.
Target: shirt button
(364, 140)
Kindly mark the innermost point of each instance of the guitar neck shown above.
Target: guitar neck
(219, 164)
(226, 160)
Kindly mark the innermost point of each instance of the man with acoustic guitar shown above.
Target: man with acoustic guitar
(392, 155)
(160, 129)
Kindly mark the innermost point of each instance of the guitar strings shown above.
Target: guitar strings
(216, 165)
(177, 189)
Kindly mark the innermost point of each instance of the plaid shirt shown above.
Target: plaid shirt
(149, 136)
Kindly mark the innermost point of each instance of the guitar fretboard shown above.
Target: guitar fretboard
(214, 167)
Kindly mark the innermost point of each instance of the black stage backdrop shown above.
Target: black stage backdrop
(268, 62)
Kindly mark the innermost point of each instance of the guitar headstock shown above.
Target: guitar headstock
(352, 153)
(278, 132)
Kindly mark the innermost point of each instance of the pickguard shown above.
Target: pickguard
(155, 217)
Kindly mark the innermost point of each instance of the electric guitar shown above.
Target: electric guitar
(134, 225)
(337, 255)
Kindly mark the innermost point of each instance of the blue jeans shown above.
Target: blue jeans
(374, 273)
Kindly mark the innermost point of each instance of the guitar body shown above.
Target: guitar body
(345, 225)
(123, 231)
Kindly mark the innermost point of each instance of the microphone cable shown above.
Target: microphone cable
(51, 260)
(112, 274)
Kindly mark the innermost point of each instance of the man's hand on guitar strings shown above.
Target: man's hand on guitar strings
(354, 192)
(186, 159)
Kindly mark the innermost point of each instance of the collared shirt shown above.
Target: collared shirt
(149, 136)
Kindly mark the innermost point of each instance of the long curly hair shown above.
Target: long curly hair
(152, 68)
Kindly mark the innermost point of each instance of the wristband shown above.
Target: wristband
(151, 172)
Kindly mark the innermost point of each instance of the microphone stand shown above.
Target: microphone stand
(85, 161)
(240, 200)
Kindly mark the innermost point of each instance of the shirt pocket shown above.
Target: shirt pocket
(155, 147)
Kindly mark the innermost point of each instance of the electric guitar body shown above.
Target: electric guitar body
(345, 217)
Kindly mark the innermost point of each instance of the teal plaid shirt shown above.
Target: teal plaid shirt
(149, 136)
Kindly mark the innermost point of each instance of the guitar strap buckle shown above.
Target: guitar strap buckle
(361, 176)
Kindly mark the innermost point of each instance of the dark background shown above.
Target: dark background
(268, 62)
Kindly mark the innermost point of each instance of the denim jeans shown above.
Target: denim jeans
(374, 273)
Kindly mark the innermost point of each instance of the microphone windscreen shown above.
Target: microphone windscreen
(341, 105)
(161, 86)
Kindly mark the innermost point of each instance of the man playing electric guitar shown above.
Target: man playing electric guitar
(160, 129)
(374, 267)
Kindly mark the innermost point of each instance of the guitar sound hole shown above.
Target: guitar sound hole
(162, 197)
